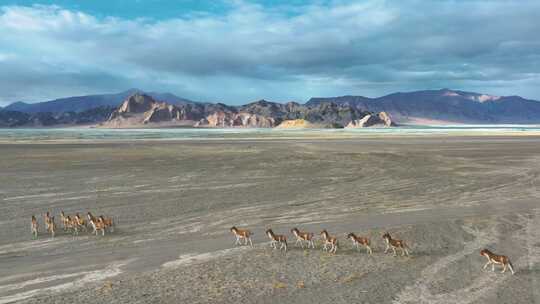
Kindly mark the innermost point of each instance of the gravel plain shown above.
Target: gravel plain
(448, 197)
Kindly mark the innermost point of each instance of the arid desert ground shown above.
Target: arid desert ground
(447, 197)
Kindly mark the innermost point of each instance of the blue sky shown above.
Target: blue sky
(237, 51)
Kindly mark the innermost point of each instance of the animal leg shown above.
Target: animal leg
(250, 242)
(504, 268)
(511, 268)
(394, 250)
(486, 265)
(492, 266)
(368, 250)
(387, 247)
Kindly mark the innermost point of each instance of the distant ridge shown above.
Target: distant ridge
(444, 106)
(87, 102)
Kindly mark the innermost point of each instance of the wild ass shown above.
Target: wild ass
(34, 227)
(394, 243)
(302, 237)
(276, 239)
(359, 240)
(493, 259)
(241, 234)
(329, 240)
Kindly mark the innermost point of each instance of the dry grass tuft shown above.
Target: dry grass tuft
(279, 285)
(107, 287)
(352, 277)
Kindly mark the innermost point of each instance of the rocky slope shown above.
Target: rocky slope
(382, 120)
(141, 109)
(9, 119)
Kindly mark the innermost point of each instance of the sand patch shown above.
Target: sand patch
(191, 258)
(87, 277)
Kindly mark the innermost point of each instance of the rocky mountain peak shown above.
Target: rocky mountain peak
(137, 103)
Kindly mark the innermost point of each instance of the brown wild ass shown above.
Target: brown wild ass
(359, 240)
(34, 227)
(97, 225)
(241, 234)
(51, 226)
(496, 259)
(393, 243)
(302, 237)
(277, 239)
(329, 240)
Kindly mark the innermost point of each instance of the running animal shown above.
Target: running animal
(393, 243)
(496, 259)
(65, 220)
(109, 223)
(242, 234)
(359, 240)
(277, 239)
(98, 225)
(329, 240)
(51, 226)
(34, 227)
(47, 219)
(80, 222)
(302, 237)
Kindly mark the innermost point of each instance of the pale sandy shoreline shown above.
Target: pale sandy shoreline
(289, 135)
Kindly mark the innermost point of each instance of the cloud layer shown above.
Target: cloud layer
(280, 53)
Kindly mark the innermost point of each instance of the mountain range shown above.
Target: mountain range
(134, 107)
(83, 103)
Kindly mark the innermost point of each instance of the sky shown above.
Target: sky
(237, 51)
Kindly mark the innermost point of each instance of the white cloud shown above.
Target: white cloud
(253, 52)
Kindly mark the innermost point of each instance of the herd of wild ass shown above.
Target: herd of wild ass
(330, 244)
(74, 224)
(98, 224)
